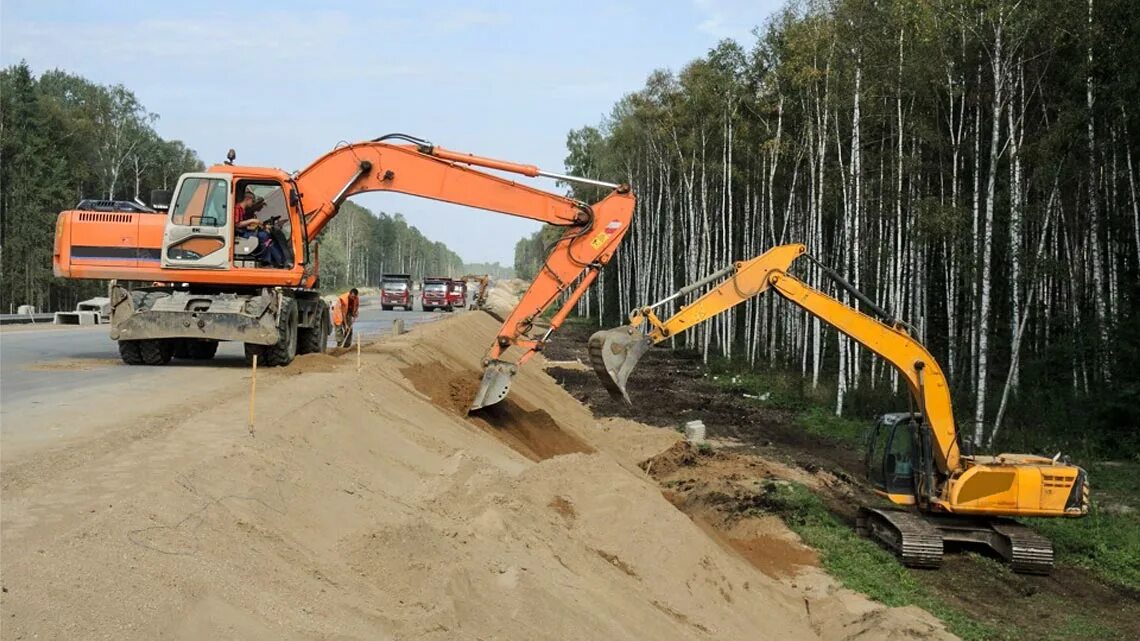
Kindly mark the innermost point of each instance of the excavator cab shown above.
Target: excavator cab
(199, 231)
(891, 457)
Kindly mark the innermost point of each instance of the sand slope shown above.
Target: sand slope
(367, 506)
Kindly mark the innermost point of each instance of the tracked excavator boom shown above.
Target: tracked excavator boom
(914, 459)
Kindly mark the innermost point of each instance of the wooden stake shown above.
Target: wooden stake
(252, 393)
(357, 354)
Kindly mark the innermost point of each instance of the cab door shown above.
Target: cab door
(199, 228)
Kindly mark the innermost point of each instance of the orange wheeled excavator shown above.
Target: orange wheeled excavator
(913, 459)
(210, 285)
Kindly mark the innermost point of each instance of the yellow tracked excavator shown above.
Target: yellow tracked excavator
(941, 492)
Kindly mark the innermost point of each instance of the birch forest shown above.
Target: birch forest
(972, 166)
(358, 246)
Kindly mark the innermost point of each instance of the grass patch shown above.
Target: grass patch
(824, 423)
(786, 392)
(1079, 626)
(860, 564)
(1107, 541)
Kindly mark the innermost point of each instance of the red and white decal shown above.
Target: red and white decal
(613, 226)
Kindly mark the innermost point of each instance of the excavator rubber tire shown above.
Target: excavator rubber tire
(284, 350)
(202, 350)
(156, 351)
(314, 340)
(130, 353)
(182, 348)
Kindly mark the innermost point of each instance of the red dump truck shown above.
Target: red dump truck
(457, 294)
(396, 291)
(434, 294)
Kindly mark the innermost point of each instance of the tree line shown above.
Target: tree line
(971, 165)
(64, 138)
(358, 246)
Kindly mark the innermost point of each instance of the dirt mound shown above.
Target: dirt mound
(530, 432)
(313, 363)
(364, 508)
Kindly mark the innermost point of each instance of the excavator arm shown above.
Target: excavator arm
(592, 234)
(614, 353)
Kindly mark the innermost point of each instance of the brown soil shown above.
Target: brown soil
(670, 387)
(313, 363)
(530, 432)
(363, 509)
(564, 507)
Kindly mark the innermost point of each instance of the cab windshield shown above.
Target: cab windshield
(435, 288)
(201, 202)
(394, 286)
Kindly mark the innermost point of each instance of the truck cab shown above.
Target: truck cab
(457, 294)
(396, 291)
(434, 294)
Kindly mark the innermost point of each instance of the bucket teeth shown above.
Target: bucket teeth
(614, 354)
(495, 384)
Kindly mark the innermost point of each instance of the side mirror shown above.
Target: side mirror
(160, 199)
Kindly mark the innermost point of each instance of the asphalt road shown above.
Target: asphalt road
(48, 373)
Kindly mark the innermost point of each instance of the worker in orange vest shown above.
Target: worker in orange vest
(344, 313)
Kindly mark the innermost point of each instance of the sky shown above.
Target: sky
(283, 82)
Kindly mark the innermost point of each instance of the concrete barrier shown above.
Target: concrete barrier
(99, 304)
(76, 318)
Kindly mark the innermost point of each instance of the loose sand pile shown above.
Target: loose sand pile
(367, 506)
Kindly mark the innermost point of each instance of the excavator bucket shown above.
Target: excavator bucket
(495, 385)
(614, 353)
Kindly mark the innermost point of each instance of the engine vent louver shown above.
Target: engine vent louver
(103, 217)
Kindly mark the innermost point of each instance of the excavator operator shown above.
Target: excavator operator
(344, 313)
(246, 224)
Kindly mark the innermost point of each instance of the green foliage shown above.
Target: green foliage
(494, 270)
(64, 138)
(752, 144)
(825, 423)
(531, 252)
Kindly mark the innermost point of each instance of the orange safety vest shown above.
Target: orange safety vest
(346, 307)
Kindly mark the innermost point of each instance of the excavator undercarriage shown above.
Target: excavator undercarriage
(918, 540)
